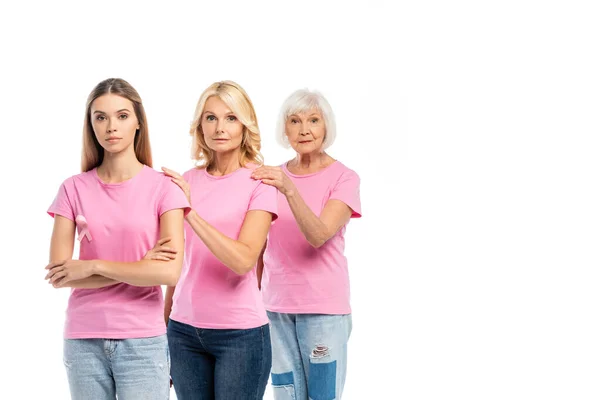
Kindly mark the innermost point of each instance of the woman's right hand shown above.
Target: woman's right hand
(161, 251)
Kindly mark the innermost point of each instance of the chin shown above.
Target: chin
(114, 149)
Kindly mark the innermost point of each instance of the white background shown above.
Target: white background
(474, 128)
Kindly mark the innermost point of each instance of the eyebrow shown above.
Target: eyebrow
(210, 112)
(121, 110)
(311, 115)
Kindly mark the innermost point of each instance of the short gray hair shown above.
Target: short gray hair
(302, 101)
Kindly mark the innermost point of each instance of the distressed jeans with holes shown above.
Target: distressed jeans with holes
(309, 355)
(130, 369)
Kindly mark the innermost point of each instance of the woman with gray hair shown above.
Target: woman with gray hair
(305, 283)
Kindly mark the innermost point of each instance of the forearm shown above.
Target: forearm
(92, 282)
(313, 229)
(260, 266)
(140, 273)
(168, 303)
(233, 254)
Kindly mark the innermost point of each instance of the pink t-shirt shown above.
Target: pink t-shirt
(210, 295)
(298, 278)
(123, 223)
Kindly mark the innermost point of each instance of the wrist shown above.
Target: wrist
(289, 194)
(96, 267)
(190, 215)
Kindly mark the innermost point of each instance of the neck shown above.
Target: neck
(225, 163)
(119, 167)
(311, 162)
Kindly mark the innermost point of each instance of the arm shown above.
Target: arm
(238, 255)
(260, 265)
(168, 303)
(318, 230)
(61, 248)
(151, 272)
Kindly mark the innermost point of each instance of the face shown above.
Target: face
(223, 132)
(305, 131)
(114, 122)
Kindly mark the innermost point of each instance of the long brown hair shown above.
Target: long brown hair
(92, 153)
(239, 102)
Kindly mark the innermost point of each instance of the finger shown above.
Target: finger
(170, 172)
(55, 264)
(53, 271)
(67, 278)
(270, 182)
(163, 241)
(160, 257)
(57, 276)
(171, 256)
(180, 182)
(270, 169)
(58, 284)
(265, 174)
(168, 256)
(164, 249)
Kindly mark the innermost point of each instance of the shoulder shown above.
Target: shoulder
(191, 173)
(251, 166)
(79, 179)
(342, 172)
(152, 178)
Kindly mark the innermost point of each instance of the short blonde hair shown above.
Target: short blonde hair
(302, 101)
(238, 101)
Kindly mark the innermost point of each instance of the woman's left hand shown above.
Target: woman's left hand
(274, 176)
(65, 271)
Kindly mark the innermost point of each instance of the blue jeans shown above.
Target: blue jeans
(309, 355)
(132, 369)
(221, 364)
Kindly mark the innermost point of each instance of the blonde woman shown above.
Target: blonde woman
(218, 329)
(115, 336)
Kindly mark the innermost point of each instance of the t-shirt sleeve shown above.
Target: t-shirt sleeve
(172, 198)
(264, 198)
(347, 190)
(62, 203)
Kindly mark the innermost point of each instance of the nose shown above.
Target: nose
(305, 129)
(111, 126)
(220, 125)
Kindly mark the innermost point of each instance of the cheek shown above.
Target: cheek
(320, 133)
(240, 131)
(98, 131)
(236, 131)
(206, 128)
(291, 133)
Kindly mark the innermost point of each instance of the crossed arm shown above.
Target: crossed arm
(91, 274)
